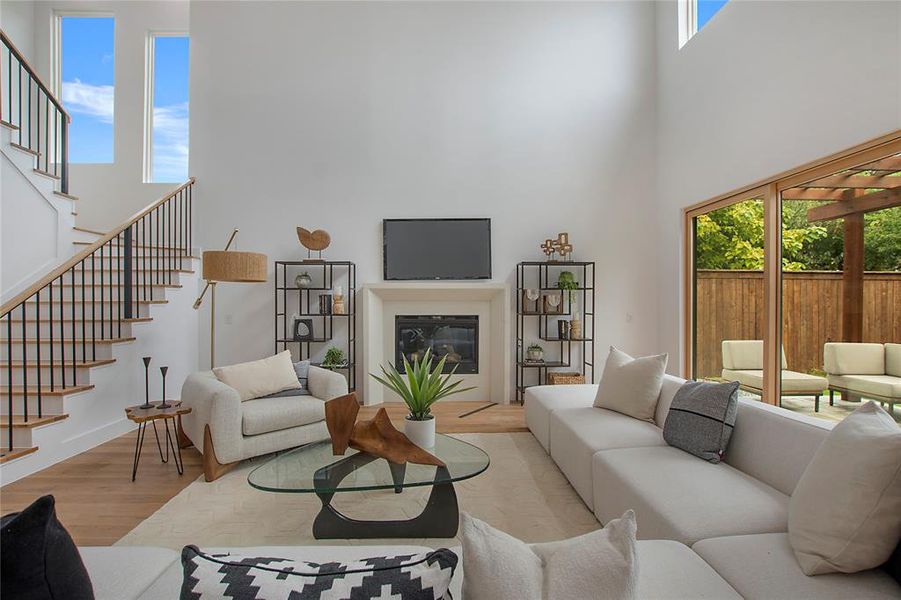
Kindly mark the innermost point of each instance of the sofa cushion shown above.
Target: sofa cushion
(125, 573)
(668, 390)
(773, 444)
(792, 381)
(631, 385)
(540, 401)
(763, 567)
(702, 419)
(893, 359)
(677, 496)
(263, 415)
(858, 468)
(849, 358)
(168, 585)
(578, 433)
(880, 385)
(260, 377)
(669, 570)
(745, 355)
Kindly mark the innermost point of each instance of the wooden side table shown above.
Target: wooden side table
(142, 416)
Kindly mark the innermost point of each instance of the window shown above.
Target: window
(166, 130)
(84, 63)
(694, 14)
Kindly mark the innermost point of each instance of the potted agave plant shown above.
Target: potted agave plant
(420, 387)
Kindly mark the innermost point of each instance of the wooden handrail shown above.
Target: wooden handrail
(72, 262)
(24, 62)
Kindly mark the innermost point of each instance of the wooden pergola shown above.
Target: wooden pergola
(849, 195)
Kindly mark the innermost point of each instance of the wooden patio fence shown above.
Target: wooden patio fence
(730, 306)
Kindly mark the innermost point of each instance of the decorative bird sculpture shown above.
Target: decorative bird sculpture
(314, 241)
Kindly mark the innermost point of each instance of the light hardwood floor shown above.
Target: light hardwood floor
(98, 503)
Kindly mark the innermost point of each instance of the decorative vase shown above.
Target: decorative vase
(575, 328)
(338, 302)
(303, 280)
(563, 329)
(421, 433)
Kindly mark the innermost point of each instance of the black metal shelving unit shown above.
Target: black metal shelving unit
(574, 354)
(291, 300)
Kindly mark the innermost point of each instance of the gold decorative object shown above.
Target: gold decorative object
(564, 248)
(575, 328)
(314, 241)
(549, 249)
(232, 267)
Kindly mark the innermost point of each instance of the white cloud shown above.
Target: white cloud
(87, 99)
(170, 143)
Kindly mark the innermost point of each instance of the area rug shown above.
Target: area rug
(522, 492)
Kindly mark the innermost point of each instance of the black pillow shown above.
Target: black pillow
(38, 559)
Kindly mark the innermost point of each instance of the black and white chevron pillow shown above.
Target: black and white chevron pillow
(425, 576)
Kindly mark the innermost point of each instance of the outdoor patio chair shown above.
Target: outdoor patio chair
(868, 370)
(743, 362)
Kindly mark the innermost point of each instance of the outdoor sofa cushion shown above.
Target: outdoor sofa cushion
(763, 567)
(677, 496)
(578, 433)
(792, 381)
(880, 385)
(850, 358)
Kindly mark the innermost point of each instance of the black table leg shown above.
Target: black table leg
(439, 518)
(397, 474)
(170, 443)
(139, 444)
(158, 446)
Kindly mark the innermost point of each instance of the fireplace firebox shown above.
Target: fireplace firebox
(453, 336)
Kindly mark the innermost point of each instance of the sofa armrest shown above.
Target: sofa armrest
(325, 384)
(215, 404)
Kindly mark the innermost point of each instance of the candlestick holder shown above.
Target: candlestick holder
(164, 404)
(147, 404)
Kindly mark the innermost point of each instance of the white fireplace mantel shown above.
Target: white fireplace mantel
(381, 302)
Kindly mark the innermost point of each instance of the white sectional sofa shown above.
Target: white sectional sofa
(734, 514)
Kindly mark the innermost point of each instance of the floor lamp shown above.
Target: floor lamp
(231, 267)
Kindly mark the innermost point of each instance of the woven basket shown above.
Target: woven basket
(563, 377)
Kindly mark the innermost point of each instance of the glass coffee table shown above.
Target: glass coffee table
(313, 469)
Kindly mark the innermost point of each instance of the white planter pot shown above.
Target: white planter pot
(421, 433)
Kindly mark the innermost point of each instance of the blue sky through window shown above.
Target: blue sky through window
(170, 109)
(706, 10)
(87, 72)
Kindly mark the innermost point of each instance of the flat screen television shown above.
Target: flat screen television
(437, 249)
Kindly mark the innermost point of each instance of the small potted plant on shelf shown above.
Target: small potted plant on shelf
(334, 358)
(303, 280)
(535, 353)
(420, 387)
(567, 281)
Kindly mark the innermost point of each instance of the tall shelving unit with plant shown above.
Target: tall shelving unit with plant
(539, 284)
(299, 286)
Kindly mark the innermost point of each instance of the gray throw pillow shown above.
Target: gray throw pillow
(302, 369)
(701, 418)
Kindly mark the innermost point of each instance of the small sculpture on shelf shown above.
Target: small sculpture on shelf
(147, 404)
(549, 249)
(314, 241)
(303, 329)
(164, 404)
(303, 280)
(338, 307)
(561, 246)
(530, 298)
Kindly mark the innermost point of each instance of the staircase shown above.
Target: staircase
(71, 341)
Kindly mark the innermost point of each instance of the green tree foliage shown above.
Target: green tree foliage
(732, 238)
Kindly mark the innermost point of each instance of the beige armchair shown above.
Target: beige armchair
(743, 362)
(868, 370)
(228, 431)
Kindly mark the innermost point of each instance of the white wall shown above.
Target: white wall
(17, 21)
(337, 115)
(764, 87)
(111, 193)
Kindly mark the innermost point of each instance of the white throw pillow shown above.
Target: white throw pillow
(845, 513)
(631, 385)
(260, 377)
(600, 564)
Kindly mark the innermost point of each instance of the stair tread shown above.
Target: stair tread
(87, 364)
(7, 455)
(116, 285)
(33, 421)
(86, 230)
(46, 340)
(46, 173)
(9, 125)
(77, 320)
(107, 301)
(24, 149)
(65, 195)
(47, 391)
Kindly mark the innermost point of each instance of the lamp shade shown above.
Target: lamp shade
(232, 266)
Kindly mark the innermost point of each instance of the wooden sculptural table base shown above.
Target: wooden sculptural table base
(439, 518)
